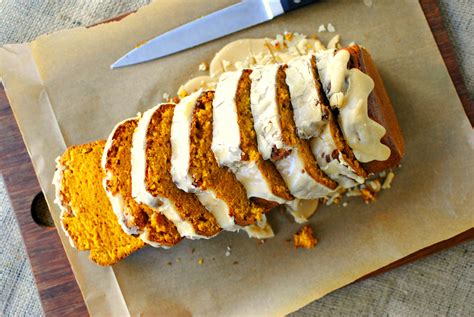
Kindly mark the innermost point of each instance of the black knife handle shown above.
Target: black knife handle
(289, 5)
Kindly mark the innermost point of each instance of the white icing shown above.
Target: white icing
(307, 110)
(361, 133)
(332, 71)
(299, 182)
(117, 201)
(266, 116)
(201, 82)
(226, 131)
(238, 53)
(138, 162)
(180, 142)
(139, 191)
(249, 175)
(260, 230)
(302, 209)
(118, 207)
(219, 209)
(336, 168)
(348, 90)
(185, 228)
(247, 53)
(226, 140)
(265, 109)
(57, 179)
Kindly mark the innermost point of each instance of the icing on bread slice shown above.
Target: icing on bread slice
(152, 180)
(315, 121)
(234, 140)
(277, 135)
(195, 169)
(361, 106)
(135, 218)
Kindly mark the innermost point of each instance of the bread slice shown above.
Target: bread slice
(86, 213)
(380, 110)
(277, 135)
(306, 98)
(195, 169)
(361, 106)
(152, 183)
(234, 141)
(135, 218)
(314, 120)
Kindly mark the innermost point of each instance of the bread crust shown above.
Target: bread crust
(380, 109)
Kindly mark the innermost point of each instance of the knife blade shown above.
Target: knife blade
(229, 20)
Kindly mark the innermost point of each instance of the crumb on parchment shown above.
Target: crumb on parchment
(367, 195)
(374, 185)
(304, 238)
(388, 180)
(368, 191)
(203, 67)
(331, 28)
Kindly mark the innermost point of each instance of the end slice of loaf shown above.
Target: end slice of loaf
(86, 214)
(380, 110)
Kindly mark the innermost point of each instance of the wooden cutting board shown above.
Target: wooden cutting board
(58, 289)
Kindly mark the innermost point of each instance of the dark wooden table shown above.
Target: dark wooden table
(58, 289)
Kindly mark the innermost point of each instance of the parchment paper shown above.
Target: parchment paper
(63, 92)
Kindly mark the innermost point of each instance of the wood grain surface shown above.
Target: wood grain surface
(435, 20)
(57, 286)
(60, 295)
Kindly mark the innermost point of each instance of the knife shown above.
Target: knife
(237, 17)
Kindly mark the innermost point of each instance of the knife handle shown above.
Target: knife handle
(289, 5)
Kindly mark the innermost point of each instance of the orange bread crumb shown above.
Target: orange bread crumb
(304, 238)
